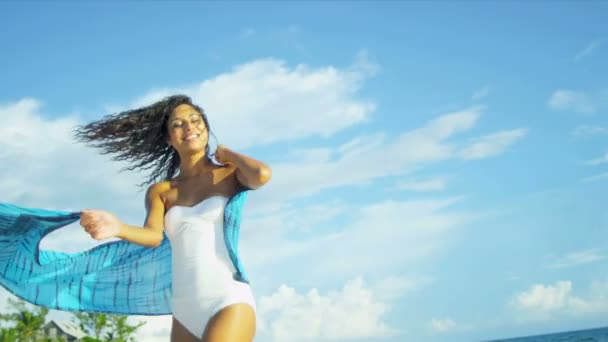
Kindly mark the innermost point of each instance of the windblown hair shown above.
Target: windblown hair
(139, 136)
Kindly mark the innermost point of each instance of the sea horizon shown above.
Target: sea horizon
(598, 334)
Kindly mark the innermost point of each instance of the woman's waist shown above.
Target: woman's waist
(209, 286)
(203, 267)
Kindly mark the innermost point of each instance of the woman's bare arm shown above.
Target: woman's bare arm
(250, 172)
(102, 225)
(152, 233)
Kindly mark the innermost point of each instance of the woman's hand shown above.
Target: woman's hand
(250, 172)
(220, 154)
(100, 224)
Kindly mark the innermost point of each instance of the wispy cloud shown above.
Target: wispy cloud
(595, 178)
(447, 325)
(597, 161)
(588, 50)
(269, 242)
(572, 100)
(433, 184)
(492, 144)
(409, 151)
(587, 130)
(577, 258)
(442, 325)
(481, 93)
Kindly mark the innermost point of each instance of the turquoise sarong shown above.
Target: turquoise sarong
(116, 277)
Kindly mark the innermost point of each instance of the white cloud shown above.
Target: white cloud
(4, 297)
(442, 325)
(275, 102)
(375, 156)
(481, 93)
(447, 325)
(27, 135)
(588, 50)
(356, 311)
(270, 242)
(49, 162)
(340, 227)
(544, 299)
(433, 184)
(543, 302)
(577, 258)
(268, 235)
(156, 329)
(587, 130)
(492, 144)
(578, 102)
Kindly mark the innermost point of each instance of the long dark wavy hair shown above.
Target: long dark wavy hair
(139, 136)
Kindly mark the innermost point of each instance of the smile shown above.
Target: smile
(191, 137)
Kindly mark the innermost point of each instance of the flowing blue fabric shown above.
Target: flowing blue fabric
(115, 277)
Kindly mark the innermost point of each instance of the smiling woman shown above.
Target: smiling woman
(189, 238)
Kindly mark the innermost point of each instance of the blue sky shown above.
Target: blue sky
(439, 169)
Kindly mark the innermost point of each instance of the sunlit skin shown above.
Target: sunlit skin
(197, 181)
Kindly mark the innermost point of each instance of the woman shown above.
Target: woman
(209, 303)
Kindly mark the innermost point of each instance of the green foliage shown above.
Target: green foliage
(91, 322)
(8, 335)
(120, 330)
(114, 328)
(25, 325)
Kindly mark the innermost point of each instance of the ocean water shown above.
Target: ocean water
(589, 335)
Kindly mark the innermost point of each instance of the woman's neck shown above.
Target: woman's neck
(194, 166)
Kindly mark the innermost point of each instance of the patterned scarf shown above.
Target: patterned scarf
(116, 277)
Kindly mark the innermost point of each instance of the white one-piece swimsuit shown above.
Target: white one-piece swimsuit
(202, 273)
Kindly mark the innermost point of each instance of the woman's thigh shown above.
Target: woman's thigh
(179, 333)
(235, 323)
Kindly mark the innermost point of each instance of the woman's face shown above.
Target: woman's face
(186, 129)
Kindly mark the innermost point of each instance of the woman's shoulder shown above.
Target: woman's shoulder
(160, 188)
(162, 185)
